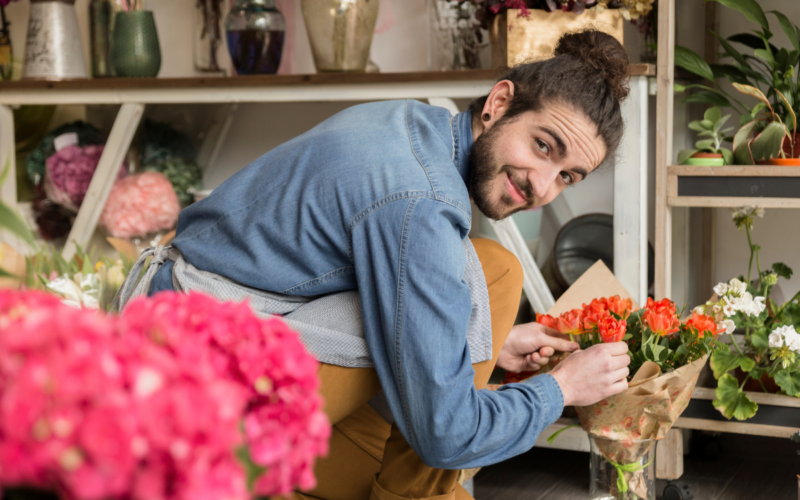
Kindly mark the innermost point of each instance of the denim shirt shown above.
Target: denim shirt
(375, 199)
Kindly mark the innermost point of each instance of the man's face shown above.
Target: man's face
(528, 160)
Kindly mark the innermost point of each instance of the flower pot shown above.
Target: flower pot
(705, 162)
(340, 32)
(135, 51)
(788, 150)
(53, 45)
(785, 162)
(517, 39)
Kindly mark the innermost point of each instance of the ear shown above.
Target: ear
(497, 103)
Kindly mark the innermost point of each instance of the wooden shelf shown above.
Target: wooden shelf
(260, 88)
(733, 186)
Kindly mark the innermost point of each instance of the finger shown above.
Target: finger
(621, 374)
(617, 362)
(534, 367)
(614, 348)
(558, 344)
(618, 387)
(546, 351)
(539, 360)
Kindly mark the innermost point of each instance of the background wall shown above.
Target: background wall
(404, 47)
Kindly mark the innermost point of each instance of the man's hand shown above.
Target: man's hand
(588, 376)
(529, 347)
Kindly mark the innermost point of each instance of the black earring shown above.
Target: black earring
(486, 117)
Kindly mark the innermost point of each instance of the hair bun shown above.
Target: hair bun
(602, 52)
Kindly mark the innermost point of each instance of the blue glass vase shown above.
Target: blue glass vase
(255, 31)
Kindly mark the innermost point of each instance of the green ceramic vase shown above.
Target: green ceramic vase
(135, 51)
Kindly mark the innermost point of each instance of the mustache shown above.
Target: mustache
(523, 183)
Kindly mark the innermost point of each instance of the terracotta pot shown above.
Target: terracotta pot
(785, 162)
(516, 39)
(707, 155)
(752, 385)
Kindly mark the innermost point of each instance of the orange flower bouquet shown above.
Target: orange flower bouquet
(666, 358)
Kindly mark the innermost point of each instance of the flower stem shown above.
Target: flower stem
(736, 345)
(749, 242)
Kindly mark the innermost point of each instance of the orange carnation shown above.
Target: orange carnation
(612, 330)
(702, 324)
(571, 322)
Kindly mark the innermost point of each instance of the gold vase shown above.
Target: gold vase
(340, 32)
(516, 39)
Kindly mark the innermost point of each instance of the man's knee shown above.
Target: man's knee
(500, 267)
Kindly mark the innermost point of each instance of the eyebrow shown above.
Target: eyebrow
(580, 170)
(562, 148)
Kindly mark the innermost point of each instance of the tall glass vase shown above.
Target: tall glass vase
(340, 32)
(208, 35)
(622, 470)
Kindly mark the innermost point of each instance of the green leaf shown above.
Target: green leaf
(713, 115)
(725, 360)
(752, 41)
(769, 142)
(685, 154)
(678, 88)
(788, 28)
(727, 155)
(746, 364)
(765, 55)
(760, 339)
(741, 151)
(731, 401)
(720, 122)
(733, 53)
(782, 270)
(749, 8)
(707, 124)
(11, 221)
(708, 97)
(706, 144)
(730, 72)
(753, 91)
(252, 470)
(788, 106)
(690, 61)
(558, 432)
(789, 382)
(697, 126)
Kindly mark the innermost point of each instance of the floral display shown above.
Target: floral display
(35, 163)
(770, 355)
(69, 172)
(140, 204)
(632, 10)
(166, 150)
(181, 397)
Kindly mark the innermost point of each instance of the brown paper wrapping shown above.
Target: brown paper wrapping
(651, 404)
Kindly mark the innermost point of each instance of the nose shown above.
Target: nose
(542, 181)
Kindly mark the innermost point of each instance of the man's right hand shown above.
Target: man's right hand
(588, 376)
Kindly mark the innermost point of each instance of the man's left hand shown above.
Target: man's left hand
(530, 345)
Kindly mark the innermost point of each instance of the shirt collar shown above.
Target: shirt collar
(462, 139)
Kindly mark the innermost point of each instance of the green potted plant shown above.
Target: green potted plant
(708, 152)
(769, 74)
(768, 357)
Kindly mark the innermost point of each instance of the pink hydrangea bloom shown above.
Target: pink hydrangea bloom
(69, 172)
(140, 204)
(155, 404)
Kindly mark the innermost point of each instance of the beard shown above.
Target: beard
(485, 169)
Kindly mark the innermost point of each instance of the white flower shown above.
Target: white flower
(775, 340)
(737, 287)
(758, 306)
(759, 212)
(728, 325)
(721, 289)
(699, 310)
(729, 310)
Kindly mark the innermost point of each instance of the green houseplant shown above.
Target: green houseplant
(770, 74)
(709, 152)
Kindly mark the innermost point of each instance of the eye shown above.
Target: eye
(543, 146)
(568, 178)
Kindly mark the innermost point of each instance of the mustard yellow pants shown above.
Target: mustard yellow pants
(369, 458)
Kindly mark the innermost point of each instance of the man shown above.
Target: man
(377, 199)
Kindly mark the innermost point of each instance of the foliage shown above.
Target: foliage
(771, 343)
(770, 74)
(710, 126)
(653, 333)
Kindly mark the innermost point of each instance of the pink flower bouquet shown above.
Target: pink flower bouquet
(140, 204)
(69, 172)
(181, 397)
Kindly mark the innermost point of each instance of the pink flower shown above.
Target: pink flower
(140, 204)
(69, 172)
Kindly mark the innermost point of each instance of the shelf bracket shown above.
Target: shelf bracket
(119, 140)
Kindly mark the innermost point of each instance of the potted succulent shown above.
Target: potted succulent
(769, 133)
(709, 152)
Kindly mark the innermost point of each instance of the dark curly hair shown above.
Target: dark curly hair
(588, 71)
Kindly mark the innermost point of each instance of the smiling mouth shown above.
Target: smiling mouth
(516, 193)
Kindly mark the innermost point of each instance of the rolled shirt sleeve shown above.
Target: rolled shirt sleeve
(410, 263)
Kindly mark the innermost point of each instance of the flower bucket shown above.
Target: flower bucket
(622, 470)
(518, 39)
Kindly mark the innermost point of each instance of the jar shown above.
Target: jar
(622, 470)
(208, 35)
(255, 30)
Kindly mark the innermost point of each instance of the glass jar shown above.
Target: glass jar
(622, 470)
(208, 35)
(455, 43)
(255, 31)
(101, 13)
